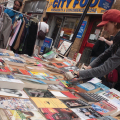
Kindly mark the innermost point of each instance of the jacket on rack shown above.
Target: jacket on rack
(5, 31)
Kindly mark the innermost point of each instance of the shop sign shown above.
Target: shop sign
(78, 6)
(47, 43)
(106, 4)
(81, 30)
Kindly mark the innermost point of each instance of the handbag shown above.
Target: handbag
(41, 34)
(112, 76)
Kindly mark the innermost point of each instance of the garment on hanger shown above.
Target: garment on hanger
(31, 38)
(5, 30)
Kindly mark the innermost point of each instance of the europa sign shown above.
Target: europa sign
(78, 6)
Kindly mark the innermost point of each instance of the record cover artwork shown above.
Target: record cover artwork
(56, 87)
(86, 113)
(59, 114)
(20, 115)
(38, 93)
(16, 104)
(75, 103)
(13, 93)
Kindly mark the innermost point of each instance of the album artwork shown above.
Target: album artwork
(70, 68)
(86, 113)
(38, 93)
(16, 104)
(48, 102)
(75, 103)
(13, 93)
(20, 115)
(56, 87)
(59, 114)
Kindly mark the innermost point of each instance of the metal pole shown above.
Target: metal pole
(81, 20)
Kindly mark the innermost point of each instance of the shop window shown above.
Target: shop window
(95, 33)
(68, 28)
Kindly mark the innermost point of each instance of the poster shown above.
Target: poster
(81, 30)
(47, 43)
(106, 4)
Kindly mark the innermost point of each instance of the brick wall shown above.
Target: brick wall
(78, 41)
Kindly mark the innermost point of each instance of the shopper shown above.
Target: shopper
(111, 57)
(45, 28)
(100, 45)
(12, 14)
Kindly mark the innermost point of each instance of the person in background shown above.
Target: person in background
(12, 14)
(111, 57)
(103, 42)
(45, 28)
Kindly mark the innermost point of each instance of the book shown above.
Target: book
(31, 80)
(106, 118)
(70, 69)
(59, 76)
(69, 94)
(56, 87)
(16, 104)
(91, 97)
(11, 53)
(20, 115)
(11, 83)
(4, 54)
(2, 63)
(95, 80)
(45, 77)
(69, 75)
(60, 64)
(58, 94)
(113, 97)
(13, 93)
(39, 93)
(48, 102)
(87, 87)
(75, 103)
(104, 108)
(102, 88)
(49, 55)
(59, 114)
(86, 113)
(40, 75)
(20, 72)
(14, 61)
(34, 85)
(5, 70)
(64, 83)
(7, 76)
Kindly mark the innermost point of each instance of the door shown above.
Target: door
(90, 39)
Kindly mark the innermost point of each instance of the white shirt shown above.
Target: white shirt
(43, 26)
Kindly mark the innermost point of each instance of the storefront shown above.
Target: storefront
(63, 20)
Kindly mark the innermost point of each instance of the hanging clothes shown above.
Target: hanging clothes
(31, 38)
(19, 36)
(5, 31)
(23, 36)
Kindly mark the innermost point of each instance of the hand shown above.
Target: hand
(101, 38)
(74, 80)
(87, 67)
(75, 73)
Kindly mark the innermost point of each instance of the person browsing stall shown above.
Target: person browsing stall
(111, 57)
(45, 28)
(12, 14)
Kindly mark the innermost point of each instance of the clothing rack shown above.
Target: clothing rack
(18, 12)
